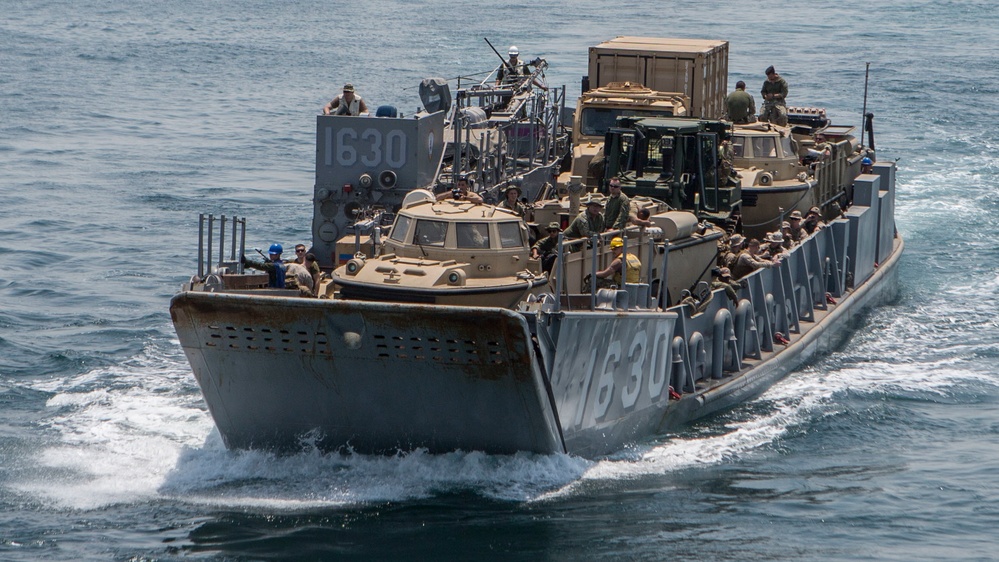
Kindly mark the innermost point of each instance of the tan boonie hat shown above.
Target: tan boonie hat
(775, 237)
(815, 210)
(553, 226)
(736, 240)
(796, 215)
(348, 87)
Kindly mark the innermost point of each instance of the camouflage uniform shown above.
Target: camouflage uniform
(546, 245)
(585, 225)
(517, 207)
(730, 289)
(616, 211)
(775, 110)
(747, 263)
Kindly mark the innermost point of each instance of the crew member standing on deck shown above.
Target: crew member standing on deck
(347, 103)
(512, 70)
(774, 95)
(618, 206)
(274, 267)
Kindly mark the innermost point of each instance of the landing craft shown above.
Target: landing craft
(437, 329)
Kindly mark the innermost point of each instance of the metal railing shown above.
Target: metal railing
(208, 225)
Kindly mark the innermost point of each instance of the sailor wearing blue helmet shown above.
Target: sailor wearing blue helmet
(274, 267)
(866, 166)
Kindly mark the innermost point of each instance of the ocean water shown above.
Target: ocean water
(121, 121)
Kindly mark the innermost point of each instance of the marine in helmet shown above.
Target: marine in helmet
(347, 103)
(630, 262)
(274, 267)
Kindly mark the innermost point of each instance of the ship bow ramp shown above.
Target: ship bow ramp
(386, 378)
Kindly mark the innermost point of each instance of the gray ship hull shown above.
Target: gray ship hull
(280, 373)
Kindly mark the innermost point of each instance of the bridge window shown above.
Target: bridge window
(764, 147)
(785, 145)
(401, 228)
(472, 234)
(430, 233)
(511, 235)
(738, 146)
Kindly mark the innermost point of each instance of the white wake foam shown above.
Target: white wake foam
(140, 433)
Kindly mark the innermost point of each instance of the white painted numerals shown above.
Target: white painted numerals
(372, 148)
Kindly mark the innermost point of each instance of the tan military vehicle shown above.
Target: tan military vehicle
(643, 77)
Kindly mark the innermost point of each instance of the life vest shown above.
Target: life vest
(277, 276)
(352, 108)
(634, 267)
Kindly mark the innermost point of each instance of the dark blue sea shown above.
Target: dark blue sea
(120, 121)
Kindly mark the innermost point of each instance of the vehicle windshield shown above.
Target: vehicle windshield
(597, 120)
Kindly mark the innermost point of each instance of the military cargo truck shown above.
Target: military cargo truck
(643, 77)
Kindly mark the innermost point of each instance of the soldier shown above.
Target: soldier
(774, 95)
(775, 247)
(726, 166)
(750, 260)
(795, 230)
(813, 220)
(728, 256)
(588, 223)
(785, 230)
(740, 105)
(511, 201)
(347, 103)
(617, 207)
(723, 280)
(546, 249)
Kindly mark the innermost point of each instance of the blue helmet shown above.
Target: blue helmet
(276, 249)
(867, 161)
